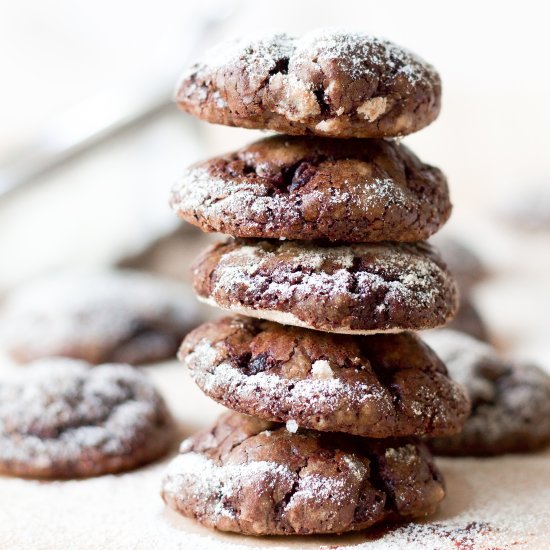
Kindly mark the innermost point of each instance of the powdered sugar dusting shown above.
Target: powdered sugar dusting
(258, 54)
(323, 399)
(201, 194)
(328, 393)
(361, 54)
(194, 475)
(209, 480)
(318, 81)
(360, 51)
(316, 487)
(292, 272)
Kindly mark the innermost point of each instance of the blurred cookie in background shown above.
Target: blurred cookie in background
(465, 264)
(170, 254)
(98, 316)
(510, 400)
(60, 418)
(469, 320)
(468, 270)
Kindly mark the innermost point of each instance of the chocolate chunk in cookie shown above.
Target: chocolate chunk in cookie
(354, 289)
(255, 477)
(118, 316)
(311, 188)
(510, 401)
(61, 418)
(384, 385)
(328, 83)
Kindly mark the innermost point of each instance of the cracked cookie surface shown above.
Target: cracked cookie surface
(354, 289)
(385, 385)
(303, 188)
(255, 477)
(63, 418)
(101, 316)
(510, 400)
(328, 83)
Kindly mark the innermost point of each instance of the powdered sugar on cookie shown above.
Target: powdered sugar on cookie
(63, 418)
(336, 288)
(299, 84)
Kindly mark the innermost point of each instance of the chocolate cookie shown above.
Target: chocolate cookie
(255, 477)
(118, 316)
(326, 83)
(355, 289)
(60, 418)
(311, 188)
(384, 385)
(510, 401)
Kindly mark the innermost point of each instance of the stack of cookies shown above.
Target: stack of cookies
(326, 274)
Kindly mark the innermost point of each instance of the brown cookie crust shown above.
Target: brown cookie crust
(310, 188)
(61, 418)
(385, 385)
(358, 288)
(510, 401)
(254, 477)
(326, 83)
(102, 316)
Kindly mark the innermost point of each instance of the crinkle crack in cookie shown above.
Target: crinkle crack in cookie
(328, 83)
(354, 289)
(255, 477)
(385, 385)
(104, 316)
(62, 418)
(310, 188)
(510, 401)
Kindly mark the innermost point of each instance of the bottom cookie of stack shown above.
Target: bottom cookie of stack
(255, 477)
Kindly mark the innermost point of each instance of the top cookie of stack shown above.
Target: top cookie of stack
(326, 83)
